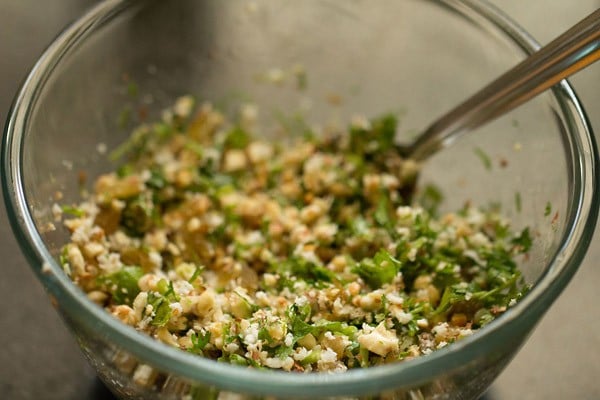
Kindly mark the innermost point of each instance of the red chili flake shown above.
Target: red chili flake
(334, 99)
(82, 178)
(142, 113)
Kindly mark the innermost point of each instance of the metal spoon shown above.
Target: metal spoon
(575, 49)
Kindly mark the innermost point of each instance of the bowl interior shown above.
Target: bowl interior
(311, 62)
(318, 63)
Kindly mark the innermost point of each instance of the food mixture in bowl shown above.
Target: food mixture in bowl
(310, 254)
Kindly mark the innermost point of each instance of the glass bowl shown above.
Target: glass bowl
(324, 60)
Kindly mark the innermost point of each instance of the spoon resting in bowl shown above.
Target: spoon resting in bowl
(572, 51)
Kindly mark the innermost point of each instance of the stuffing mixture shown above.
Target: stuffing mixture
(305, 255)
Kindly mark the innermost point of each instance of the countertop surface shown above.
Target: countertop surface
(40, 360)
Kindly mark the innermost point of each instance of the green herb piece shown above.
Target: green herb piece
(518, 204)
(301, 79)
(284, 351)
(124, 117)
(234, 359)
(384, 131)
(196, 273)
(484, 157)
(359, 228)
(446, 276)
(74, 211)
(294, 124)
(139, 216)
(157, 180)
(237, 138)
(125, 170)
(195, 147)
(379, 138)
(379, 270)
(548, 209)
(430, 199)
(199, 342)
(203, 393)
(123, 284)
(162, 130)
(132, 89)
(134, 145)
(300, 268)
(161, 309)
(452, 295)
(312, 357)
(299, 325)
(63, 259)
(298, 317)
(242, 306)
(482, 317)
(166, 289)
(363, 354)
(523, 241)
(384, 215)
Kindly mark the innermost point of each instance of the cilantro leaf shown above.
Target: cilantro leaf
(199, 342)
(123, 284)
(379, 137)
(484, 157)
(237, 138)
(523, 241)
(379, 270)
(383, 215)
(430, 198)
(161, 309)
(300, 326)
(74, 211)
(548, 209)
(304, 269)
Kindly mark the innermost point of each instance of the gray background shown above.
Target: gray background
(40, 360)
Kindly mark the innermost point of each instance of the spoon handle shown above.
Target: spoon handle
(570, 52)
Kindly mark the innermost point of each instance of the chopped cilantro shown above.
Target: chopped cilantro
(166, 289)
(157, 180)
(484, 157)
(523, 241)
(286, 282)
(379, 137)
(123, 284)
(384, 215)
(548, 209)
(379, 270)
(74, 211)
(199, 342)
(301, 268)
(132, 89)
(301, 79)
(300, 326)
(430, 198)
(161, 310)
(196, 273)
(518, 204)
(124, 117)
(234, 359)
(139, 216)
(359, 227)
(134, 145)
(237, 138)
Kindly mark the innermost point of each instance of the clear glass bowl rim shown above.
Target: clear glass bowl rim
(581, 223)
